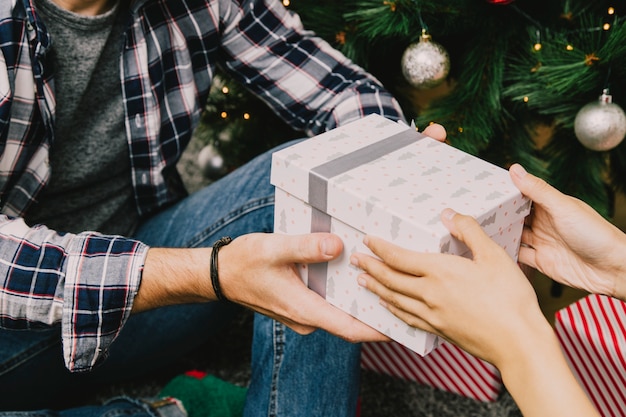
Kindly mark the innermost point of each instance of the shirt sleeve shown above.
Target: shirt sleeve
(307, 82)
(86, 282)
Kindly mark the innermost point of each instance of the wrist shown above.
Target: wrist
(538, 378)
(619, 286)
(617, 274)
(620, 277)
(525, 337)
(214, 267)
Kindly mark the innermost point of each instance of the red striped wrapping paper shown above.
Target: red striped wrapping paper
(447, 367)
(592, 333)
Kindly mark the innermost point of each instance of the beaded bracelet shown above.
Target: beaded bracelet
(215, 279)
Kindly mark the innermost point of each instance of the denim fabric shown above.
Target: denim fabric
(116, 407)
(292, 375)
(316, 375)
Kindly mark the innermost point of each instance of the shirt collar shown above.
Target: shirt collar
(136, 4)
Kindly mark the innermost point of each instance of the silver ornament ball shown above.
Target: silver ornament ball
(210, 162)
(600, 125)
(425, 64)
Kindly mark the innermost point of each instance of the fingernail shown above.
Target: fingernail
(518, 170)
(327, 246)
(354, 260)
(362, 282)
(448, 214)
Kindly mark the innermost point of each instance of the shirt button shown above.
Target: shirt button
(138, 120)
(29, 26)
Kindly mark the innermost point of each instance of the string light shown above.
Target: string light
(525, 99)
(340, 37)
(567, 16)
(224, 115)
(246, 116)
(537, 46)
(225, 89)
(391, 4)
(591, 59)
(286, 3)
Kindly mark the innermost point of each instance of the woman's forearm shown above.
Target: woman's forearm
(538, 378)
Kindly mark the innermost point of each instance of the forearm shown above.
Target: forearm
(537, 376)
(342, 91)
(174, 276)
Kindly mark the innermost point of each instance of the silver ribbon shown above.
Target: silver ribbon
(318, 190)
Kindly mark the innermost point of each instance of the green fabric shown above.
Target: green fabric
(206, 397)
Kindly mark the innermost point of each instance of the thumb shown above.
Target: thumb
(309, 248)
(467, 230)
(436, 131)
(533, 187)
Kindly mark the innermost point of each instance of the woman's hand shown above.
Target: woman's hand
(484, 304)
(568, 241)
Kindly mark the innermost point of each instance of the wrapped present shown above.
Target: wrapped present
(592, 333)
(448, 368)
(375, 176)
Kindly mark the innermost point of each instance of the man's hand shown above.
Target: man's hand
(259, 272)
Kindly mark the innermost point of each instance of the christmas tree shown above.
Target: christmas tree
(537, 82)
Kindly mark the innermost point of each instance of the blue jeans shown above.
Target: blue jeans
(116, 407)
(292, 375)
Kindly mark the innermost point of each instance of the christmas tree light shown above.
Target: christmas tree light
(516, 68)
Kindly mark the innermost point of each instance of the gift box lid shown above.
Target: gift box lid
(376, 170)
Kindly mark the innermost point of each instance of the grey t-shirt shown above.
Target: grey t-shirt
(90, 186)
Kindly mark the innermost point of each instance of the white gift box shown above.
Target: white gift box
(379, 177)
(592, 333)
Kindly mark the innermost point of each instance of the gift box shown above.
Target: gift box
(448, 368)
(379, 177)
(592, 333)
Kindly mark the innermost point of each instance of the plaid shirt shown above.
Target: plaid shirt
(87, 281)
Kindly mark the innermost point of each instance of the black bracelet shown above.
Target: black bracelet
(215, 278)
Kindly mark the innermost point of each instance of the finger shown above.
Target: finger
(307, 248)
(399, 258)
(396, 289)
(534, 187)
(436, 131)
(467, 230)
(307, 312)
(527, 256)
(383, 280)
(337, 322)
(416, 318)
(410, 308)
(528, 237)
